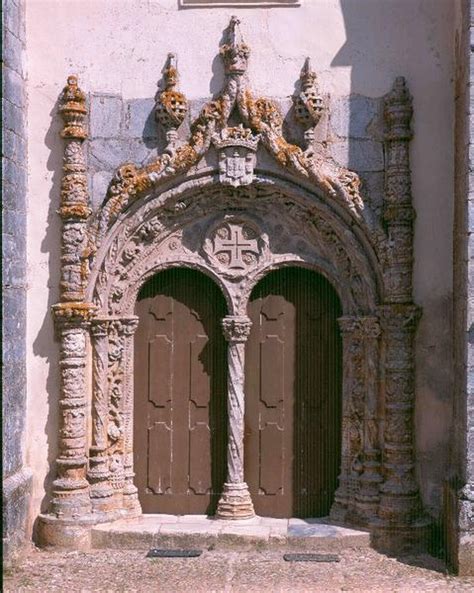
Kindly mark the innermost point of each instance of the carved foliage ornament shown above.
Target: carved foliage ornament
(261, 121)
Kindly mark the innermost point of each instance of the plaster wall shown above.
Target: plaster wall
(119, 47)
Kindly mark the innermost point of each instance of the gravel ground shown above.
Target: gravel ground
(129, 571)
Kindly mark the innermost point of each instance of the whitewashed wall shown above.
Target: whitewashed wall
(357, 46)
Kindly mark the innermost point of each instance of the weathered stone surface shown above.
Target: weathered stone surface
(15, 494)
(109, 153)
(100, 183)
(140, 119)
(359, 155)
(356, 117)
(16, 478)
(105, 116)
(14, 88)
(13, 52)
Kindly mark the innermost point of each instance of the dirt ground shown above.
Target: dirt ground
(131, 572)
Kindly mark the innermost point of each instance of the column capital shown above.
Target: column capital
(129, 325)
(364, 326)
(399, 317)
(75, 313)
(236, 328)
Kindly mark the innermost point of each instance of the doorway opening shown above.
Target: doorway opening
(180, 385)
(293, 392)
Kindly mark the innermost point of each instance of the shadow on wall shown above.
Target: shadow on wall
(370, 26)
(45, 346)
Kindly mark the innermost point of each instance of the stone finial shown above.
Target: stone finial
(171, 106)
(235, 52)
(308, 103)
(73, 110)
(398, 111)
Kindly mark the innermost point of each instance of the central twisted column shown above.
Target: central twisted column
(235, 502)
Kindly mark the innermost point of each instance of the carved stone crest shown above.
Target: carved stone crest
(234, 246)
(237, 148)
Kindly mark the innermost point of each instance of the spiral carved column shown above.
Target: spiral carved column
(235, 502)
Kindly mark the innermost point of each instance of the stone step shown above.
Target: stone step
(199, 531)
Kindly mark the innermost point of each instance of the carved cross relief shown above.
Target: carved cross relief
(233, 245)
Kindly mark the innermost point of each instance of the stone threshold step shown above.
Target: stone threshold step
(200, 531)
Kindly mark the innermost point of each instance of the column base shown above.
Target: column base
(235, 502)
(398, 540)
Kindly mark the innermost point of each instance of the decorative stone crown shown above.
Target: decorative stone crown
(236, 136)
(235, 52)
(308, 103)
(171, 105)
(73, 110)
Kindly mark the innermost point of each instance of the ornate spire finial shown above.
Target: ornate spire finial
(73, 110)
(171, 106)
(398, 111)
(235, 52)
(307, 76)
(171, 75)
(308, 103)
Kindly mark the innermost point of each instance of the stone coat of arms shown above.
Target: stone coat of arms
(237, 148)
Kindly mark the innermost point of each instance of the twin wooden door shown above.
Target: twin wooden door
(292, 388)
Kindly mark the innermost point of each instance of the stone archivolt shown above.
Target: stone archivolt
(235, 223)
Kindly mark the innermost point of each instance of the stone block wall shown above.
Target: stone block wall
(125, 131)
(16, 477)
(459, 492)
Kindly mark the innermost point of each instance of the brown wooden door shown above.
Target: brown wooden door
(293, 395)
(180, 420)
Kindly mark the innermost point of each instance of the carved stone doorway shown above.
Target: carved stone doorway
(293, 395)
(180, 429)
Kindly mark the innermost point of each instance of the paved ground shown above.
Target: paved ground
(131, 572)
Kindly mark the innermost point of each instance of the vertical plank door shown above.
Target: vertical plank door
(293, 395)
(180, 419)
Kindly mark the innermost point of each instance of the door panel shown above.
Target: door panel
(180, 421)
(293, 395)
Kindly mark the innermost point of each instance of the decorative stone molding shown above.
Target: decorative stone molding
(74, 209)
(398, 210)
(71, 489)
(237, 147)
(308, 103)
(235, 502)
(357, 497)
(259, 115)
(234, 246)
(399, 502)
(171, 106)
